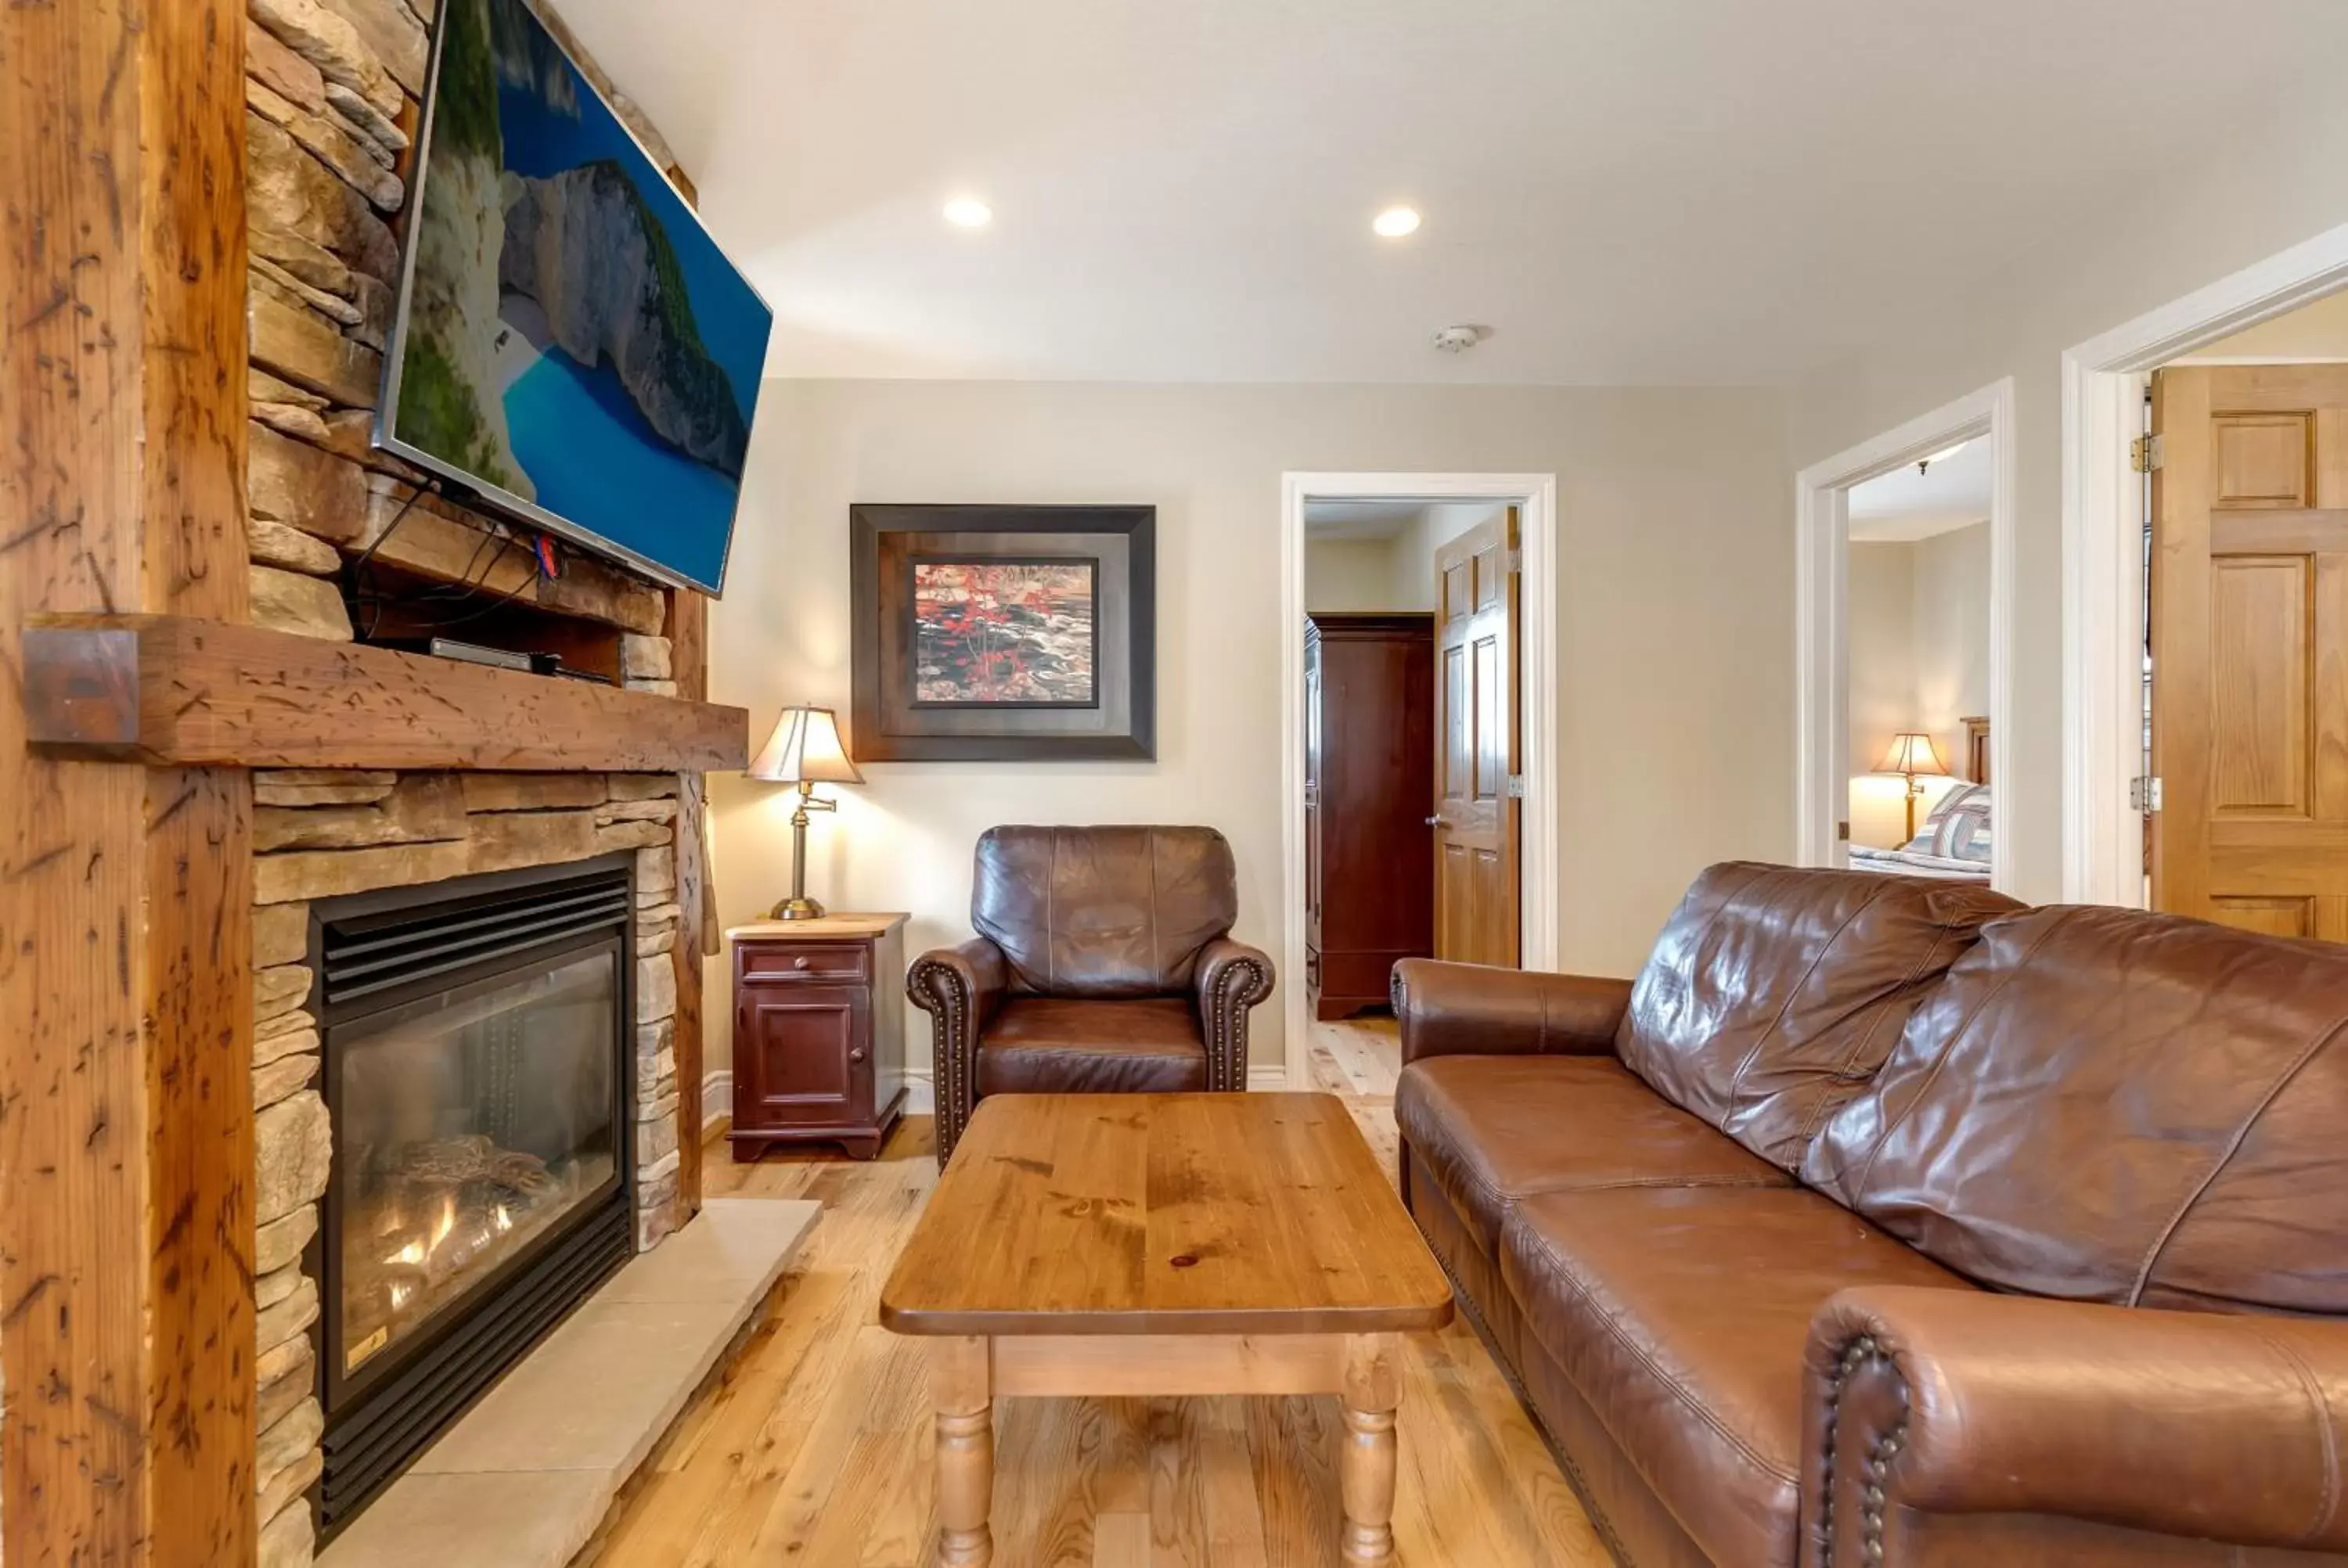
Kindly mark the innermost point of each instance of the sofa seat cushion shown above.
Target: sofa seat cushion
(1681, 1315)
(1055, 1045)
(1493, 1130)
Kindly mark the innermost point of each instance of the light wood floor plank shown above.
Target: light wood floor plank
(814, 1446)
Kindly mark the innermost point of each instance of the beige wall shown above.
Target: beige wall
(1350, 574)
(1675, 574)
(2263, 189)
(1882, 683)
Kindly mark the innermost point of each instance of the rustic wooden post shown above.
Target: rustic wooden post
(126, 1004)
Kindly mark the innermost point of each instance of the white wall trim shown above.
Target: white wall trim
(716, 1098)
(2103, 588)
(1268, 1080)
(921, 1096)
(1535, 494)
(1822, 611)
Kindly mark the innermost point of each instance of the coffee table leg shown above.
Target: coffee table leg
(1366, 1466)
(962, 1389)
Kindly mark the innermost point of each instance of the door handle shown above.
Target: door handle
(1436, 822)
(856, 1054)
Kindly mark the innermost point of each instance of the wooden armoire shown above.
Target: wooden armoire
(1369, 790)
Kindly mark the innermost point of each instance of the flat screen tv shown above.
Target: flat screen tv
(570, 344)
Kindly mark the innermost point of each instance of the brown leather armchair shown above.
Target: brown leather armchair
(1102, 965)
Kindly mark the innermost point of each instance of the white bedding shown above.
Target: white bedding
(1915, 863)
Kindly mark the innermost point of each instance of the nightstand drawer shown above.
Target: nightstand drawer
(833, 963)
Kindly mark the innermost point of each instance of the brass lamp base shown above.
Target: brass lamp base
(795, 909)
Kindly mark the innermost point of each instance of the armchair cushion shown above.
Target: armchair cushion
(1057, 1045)
(1103, 911)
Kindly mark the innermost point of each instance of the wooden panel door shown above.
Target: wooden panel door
(1475, 727)
(2249, 639)
(804, 1047)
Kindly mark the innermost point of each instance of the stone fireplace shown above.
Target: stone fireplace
(475, 1036)
(516, 1126)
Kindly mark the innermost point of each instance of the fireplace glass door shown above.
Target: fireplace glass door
(467, 1124)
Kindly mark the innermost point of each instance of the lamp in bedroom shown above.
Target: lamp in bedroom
(1913, 756)
(804, 750)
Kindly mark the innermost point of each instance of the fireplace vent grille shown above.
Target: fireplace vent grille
(372, 954)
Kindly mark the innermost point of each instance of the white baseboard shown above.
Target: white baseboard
(716, 1098)
(920, 1093)
(1267, 1079)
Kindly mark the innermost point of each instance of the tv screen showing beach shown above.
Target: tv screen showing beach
(570, 343)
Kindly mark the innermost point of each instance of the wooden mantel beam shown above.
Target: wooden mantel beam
(126, 987)
(171, 692)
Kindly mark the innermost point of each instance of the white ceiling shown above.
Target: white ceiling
(1332, 520)
(1625, 191)
(1905, 505)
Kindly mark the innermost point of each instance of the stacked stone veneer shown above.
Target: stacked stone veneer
(319, 835)
(331, 105)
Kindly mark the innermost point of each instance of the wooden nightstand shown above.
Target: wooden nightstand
(818, 1033)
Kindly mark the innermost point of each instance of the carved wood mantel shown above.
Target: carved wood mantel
(171, 692)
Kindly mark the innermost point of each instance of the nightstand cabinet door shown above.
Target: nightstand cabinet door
(808, 1057)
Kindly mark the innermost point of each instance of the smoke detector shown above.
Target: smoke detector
(1458, 340)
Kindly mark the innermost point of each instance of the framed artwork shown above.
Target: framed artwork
(1003, 633)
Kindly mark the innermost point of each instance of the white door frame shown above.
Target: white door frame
(2103, 549)
(1535, 496)
(1822, 610)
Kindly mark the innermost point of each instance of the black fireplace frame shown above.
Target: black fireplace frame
(380, 1418)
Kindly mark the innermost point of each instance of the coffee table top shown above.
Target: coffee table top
(1164, 1213)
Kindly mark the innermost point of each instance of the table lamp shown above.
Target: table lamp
(804, 750)
(1912, 757)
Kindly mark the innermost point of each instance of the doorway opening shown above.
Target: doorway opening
(2108, 683)
(1904, 618)
(1418, 722)
(2240, 514)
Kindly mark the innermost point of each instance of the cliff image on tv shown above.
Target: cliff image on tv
(570, 342)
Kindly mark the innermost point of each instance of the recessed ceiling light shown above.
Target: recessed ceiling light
(969, 213)
(1396, 222)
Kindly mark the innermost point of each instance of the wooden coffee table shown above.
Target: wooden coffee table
(1154, 1244)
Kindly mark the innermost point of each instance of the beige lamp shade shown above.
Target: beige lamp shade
(1913, 755)
(805, 749)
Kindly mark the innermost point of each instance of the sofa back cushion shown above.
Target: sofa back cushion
(1774, 994)
(2107, 1105)
(1103, 911)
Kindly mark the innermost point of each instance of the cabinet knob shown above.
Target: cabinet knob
(856, 1054)
(800, 962)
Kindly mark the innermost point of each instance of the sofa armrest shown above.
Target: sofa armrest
(1232, 978)
(1468, 1010)
(1924, 1402)
(960, 988)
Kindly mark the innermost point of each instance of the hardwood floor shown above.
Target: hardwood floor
(815, 1448)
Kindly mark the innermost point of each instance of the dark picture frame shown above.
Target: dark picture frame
(1045, 684)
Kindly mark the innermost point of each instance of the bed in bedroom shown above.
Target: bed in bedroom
(1955, 839)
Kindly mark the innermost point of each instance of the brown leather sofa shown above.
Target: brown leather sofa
(1885, 1220)
(1103, 964)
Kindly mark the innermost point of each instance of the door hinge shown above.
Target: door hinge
(1516, 786)
(2148, 453)
(2144, 794)
(1842, 833)
(1513, 560)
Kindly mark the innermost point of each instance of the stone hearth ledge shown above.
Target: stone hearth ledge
(527, 1477)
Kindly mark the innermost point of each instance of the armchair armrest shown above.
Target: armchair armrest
(960, 988)
(1232, 978)
(1924, 1401)
(1469, 1009)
